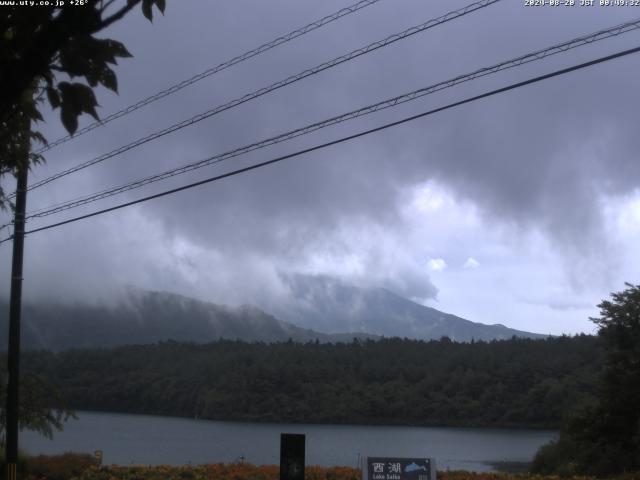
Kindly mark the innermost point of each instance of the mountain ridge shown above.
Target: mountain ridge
(329, 312)
(146, 317)
(332, 305)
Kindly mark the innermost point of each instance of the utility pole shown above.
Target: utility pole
(15, 308)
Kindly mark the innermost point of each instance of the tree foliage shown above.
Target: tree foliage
(42, 408)
(51, 54)
(605, 438)
(517, 382)
(44, 51)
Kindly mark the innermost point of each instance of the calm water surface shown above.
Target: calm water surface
(144, 439)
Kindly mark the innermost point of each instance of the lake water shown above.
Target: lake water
(144, 439)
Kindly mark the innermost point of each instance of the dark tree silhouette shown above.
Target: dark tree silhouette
(604, 439)
(38, 46)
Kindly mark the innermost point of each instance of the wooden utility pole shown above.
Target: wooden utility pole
(15, 309)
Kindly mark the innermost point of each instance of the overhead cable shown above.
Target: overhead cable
(213, 70)
(275, 86)
(513, 86)
(388, 103)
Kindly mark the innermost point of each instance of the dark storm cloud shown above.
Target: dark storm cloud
(539, 158)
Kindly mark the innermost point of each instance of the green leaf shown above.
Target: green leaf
(74, 61)
(161, 4)
(69, 119)
(68, 98)
(88, 101)
(36, 158)
(93, 77)
(76, 99)
(39, 137)
(54, 97)
(146, 9)
(117, 49)
(102, 52)
(109, 79)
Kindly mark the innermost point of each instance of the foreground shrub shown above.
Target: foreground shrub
(244, 471)
(603, 439)
(83, 467)
(217, 471)
(557, 457)
(59, 467)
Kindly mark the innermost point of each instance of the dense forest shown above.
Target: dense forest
(518, 382)
(603, 438)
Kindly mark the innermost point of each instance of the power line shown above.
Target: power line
(275, 86)
(212, 71)
(392, 102)
(513, 86)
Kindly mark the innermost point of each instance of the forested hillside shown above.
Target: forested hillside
(141, 316)
(326, 310)
(517, 382)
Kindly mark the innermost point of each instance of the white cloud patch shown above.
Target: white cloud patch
(427, 199)
(471, 263)
(437, 264)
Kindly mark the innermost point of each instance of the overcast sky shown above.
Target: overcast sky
(521, 209)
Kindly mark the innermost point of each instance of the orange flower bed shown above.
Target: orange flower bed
(247, 471)
(217, 471)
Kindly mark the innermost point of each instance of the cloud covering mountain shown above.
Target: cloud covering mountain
(325, 310)
(330, 305)
(144, 317)
(540, 186)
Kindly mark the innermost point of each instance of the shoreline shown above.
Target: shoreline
(515, 427)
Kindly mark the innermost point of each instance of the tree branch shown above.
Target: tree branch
(104, 7)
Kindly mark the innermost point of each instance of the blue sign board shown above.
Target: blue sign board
(393, 468)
